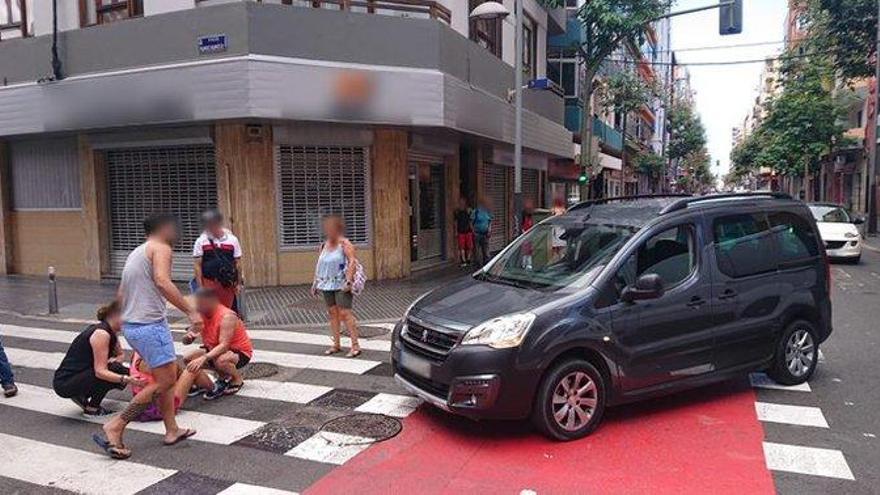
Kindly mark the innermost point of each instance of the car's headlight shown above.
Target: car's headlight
(501, 332)
(850, 235)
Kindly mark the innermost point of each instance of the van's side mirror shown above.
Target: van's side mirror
(648, 286)
(858, 220)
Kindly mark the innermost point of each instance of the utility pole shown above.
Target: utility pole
(56, 62)
(517, 147)
(872, 151)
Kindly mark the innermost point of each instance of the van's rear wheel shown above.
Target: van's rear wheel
(797, 354)
(570, 401)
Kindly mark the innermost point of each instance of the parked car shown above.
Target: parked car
(839, 231)
(647, 295)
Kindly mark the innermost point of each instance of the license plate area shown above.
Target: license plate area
(415, 364)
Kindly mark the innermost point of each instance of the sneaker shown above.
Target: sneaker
(10, 390)
(219, 390)
(196, 390)
(99, 412)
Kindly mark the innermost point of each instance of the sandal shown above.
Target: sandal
(187, 432)
(118, 452)
(333, 350)
(353, 353)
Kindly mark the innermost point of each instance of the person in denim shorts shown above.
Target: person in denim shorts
(145, 287)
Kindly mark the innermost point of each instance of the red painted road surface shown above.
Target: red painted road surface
(703, 441)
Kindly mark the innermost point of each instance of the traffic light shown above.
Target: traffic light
(583, 179)
(731, 17)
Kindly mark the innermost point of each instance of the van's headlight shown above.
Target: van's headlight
(850, 235)
(502, 332)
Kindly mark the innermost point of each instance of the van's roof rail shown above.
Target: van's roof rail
(684, 202)
(591, 202)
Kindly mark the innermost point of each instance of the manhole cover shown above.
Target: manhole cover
(259, 370)
(309, 304)
(368, 332)
(372, 427)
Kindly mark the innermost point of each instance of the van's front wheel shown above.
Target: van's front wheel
(797, 353)
(570, 401)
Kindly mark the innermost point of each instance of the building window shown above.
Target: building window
(530, 50)
(564, 73)
(45, 175)
(485, 32)
(314, 181)
(93, 12)
(13, 15)
(571, 4)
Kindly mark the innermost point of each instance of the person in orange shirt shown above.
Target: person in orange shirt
(226, 346)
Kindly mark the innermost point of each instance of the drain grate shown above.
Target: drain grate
(371, 427)
(367, 332)
(259, 370)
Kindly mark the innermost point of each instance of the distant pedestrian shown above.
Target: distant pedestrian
(217, 255)
(7, 379)
(527, 221)
(482, 230)
(464, 230)
(146, 285)
(93, 365)
(334, 278)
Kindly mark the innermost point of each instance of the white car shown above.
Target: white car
(839, 231)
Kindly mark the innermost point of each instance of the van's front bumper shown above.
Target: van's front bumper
(844, 249)
(473, 381)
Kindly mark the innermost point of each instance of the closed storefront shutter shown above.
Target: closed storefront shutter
(315, 181)
(141, 181)
(496, 188)
(530, 187)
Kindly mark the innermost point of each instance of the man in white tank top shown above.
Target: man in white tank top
(146, 285)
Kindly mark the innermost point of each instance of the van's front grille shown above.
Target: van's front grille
(426, 341)
(434, 388)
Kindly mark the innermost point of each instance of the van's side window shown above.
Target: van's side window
(670, 254)
(744, 245)
(795, 237)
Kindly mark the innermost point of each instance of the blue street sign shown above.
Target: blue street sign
(543, 83)
(216, 43)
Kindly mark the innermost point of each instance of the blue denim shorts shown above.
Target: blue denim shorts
(152, 341)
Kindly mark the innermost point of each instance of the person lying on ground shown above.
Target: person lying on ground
(226, 346)
(93, 365)
(187, 383)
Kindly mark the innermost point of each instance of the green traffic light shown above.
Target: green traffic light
(582, 178)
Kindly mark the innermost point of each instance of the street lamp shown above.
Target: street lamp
(491, 11)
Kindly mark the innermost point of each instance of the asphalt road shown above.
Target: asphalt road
(846, 387)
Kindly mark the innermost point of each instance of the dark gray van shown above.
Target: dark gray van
(619, 300)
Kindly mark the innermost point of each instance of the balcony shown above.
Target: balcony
(421, 9)
(611, 137)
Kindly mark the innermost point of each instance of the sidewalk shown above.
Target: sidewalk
(266, 307)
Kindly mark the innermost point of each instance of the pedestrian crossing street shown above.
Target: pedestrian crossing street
(796, 457)
(292, 409)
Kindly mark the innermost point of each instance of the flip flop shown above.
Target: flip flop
(114, 451)
(332, 350)
(187, 432)
(353, 354)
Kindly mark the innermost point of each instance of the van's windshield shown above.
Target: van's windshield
(554, 256)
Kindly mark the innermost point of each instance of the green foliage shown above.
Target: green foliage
(687, 134)
(625, 91)
(650, 164)
(844, 31)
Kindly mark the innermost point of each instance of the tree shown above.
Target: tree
(607, 25)
(625, 91)
(844, 31)
(650, 164)
(686, 131)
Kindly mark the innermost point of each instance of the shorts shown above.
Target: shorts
(243, 359)
(341, 298)
(466, 241)
(152, 341)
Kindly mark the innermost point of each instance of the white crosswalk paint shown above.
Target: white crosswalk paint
(246, 489)
(807, 460)
(75, 470)
(298, 393)
(761, 380)
(211, 428)
(398, 406)
(791, 415)
(329, 447)
(286, 359)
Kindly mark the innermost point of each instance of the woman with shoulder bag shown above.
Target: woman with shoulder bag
(338, 277)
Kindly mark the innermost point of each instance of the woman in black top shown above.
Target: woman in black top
(93, 363)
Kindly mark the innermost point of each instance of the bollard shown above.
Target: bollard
(53, 292)
(242, 307)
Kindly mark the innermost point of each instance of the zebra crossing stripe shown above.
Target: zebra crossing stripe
(286, 359)
(298, 393)
(246, 489)
(211, 428)
(330, 447)
(761, 380)
(75, 470)
(807, 460)
(398, 406)
(791, 415)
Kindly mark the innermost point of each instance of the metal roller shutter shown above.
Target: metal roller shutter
(177, 179)
(496, 189)
(318, 180)
(530, 186)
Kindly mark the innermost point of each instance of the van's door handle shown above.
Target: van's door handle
(727, 294)
(696, 302)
